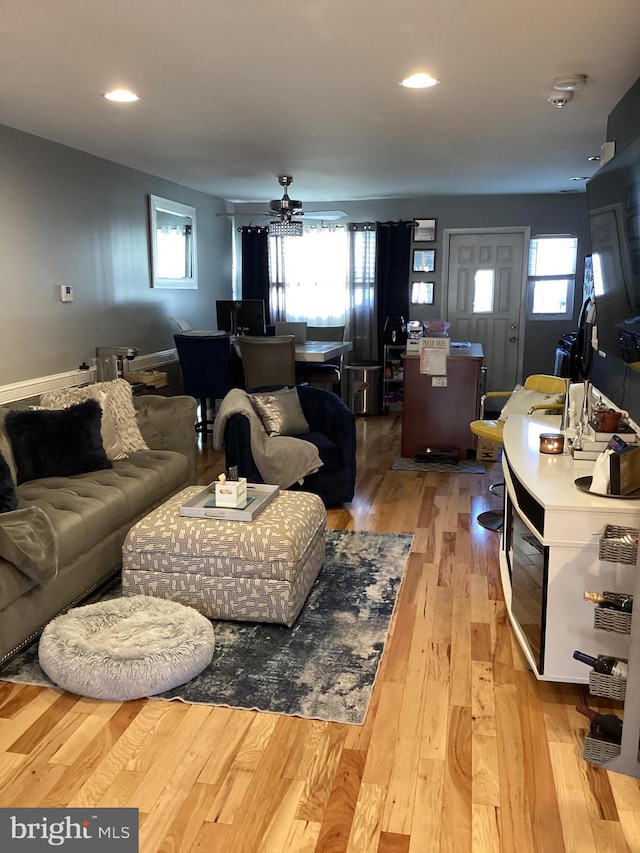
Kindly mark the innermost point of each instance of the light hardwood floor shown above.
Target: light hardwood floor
(462, 749)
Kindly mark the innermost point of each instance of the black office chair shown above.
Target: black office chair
(325, 375)
(268, 360)
(205, 361)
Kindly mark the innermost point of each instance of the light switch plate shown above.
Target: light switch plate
(66, 293)
(439, 381)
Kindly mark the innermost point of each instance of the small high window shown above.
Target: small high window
(552, 277)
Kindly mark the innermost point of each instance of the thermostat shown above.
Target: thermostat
(66, 293)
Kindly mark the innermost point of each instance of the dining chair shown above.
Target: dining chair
(298, 330)
(182, 324)
(205, 362)
(540, 393)
(268, 360)
(326, 375)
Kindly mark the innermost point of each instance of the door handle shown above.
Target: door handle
(513, 339)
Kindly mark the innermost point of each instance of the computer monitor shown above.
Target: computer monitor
(241, 316)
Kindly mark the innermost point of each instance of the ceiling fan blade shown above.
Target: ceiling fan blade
(328, 215)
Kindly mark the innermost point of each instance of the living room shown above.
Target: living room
(75, 213)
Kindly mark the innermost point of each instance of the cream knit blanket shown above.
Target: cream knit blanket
(281, 460)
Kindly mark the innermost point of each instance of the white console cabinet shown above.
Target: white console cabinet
(549, 553)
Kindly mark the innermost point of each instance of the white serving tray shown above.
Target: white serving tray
(203, 505)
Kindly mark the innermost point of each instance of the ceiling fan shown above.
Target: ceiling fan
(286, 208)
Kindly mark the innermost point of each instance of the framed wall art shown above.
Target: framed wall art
(424, 260)
(424, 230)
(422, 292)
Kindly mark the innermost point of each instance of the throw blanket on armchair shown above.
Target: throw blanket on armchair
(281, 460)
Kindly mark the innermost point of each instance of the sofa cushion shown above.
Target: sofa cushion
(8, 497)
(85, 509)
(56, 443)
(123, 435)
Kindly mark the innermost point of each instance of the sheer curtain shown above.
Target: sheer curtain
(309, 277)
(327, 277)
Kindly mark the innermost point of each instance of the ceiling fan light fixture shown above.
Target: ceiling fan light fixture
(286, 228)
(419, 81)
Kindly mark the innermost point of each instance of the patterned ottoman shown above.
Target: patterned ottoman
(253, 571)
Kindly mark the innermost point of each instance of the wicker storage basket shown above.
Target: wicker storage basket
(607, 685)
(615, 550)
(608, 619)
(597, 750)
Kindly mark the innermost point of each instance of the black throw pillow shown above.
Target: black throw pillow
(8, 497)
(56, 442)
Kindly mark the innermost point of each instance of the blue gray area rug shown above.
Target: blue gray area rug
(324, 667)
(464, 466)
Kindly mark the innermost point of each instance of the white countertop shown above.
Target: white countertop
(550, 479)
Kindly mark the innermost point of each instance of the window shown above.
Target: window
(552, 276)
(327, 277)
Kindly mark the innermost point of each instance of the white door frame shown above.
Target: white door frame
(525, 230)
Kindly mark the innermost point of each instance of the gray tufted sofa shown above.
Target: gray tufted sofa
(91, 515)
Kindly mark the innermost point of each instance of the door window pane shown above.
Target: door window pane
(483, 291)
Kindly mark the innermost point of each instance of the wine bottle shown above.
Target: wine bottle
(604, 664)
(612, 600)
(607, 725)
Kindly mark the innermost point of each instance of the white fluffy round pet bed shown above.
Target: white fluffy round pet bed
(126, 648)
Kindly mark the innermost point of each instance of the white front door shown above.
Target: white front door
(486, 276)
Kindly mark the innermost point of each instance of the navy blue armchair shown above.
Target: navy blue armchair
(333, 431)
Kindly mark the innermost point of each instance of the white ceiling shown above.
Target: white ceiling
(236, 92)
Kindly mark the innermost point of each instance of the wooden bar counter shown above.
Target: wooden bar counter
(439, 417)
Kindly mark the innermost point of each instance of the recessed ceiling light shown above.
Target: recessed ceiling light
(579, 179)
(595, 158)
(122, 96)
(419, 81)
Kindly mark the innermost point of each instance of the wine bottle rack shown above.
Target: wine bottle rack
(625, 757)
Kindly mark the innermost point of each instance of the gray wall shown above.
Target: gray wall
(619, 382)
(70, 218)
(545, 214)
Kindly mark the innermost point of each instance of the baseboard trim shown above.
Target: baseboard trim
(33, 387)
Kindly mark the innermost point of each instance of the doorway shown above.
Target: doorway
(485, 286)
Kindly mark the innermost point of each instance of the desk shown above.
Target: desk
(439, 417)
(317, 352)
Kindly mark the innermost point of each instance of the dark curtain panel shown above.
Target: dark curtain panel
(255, 266)
(393, 251)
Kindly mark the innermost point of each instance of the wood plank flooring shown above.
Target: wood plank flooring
(462, 749)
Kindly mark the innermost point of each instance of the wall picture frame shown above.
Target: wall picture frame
(422, 292)
(424, 230)
(424, 260)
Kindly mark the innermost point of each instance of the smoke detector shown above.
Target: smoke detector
(559, 99)
(570, 82)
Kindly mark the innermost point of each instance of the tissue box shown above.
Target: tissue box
(624, 469)
(232, 492)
